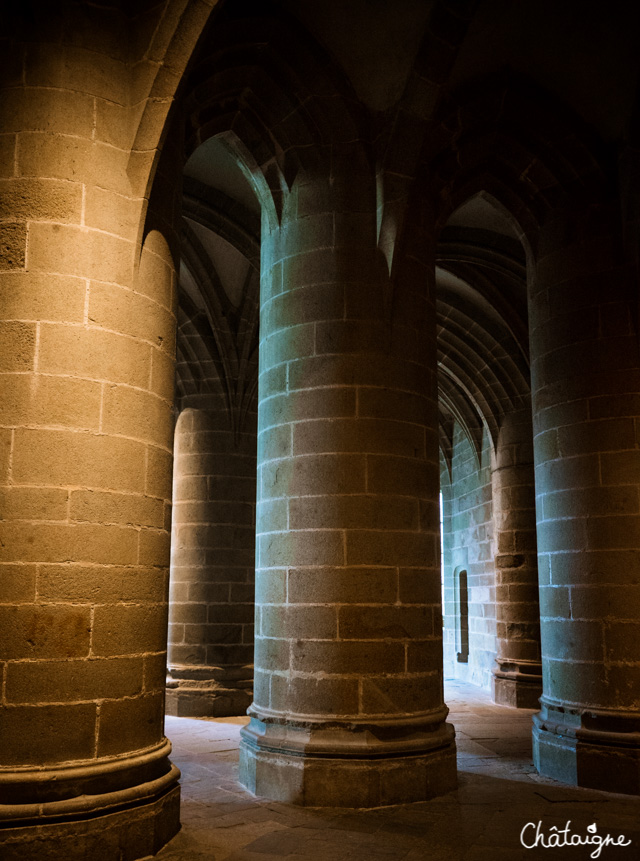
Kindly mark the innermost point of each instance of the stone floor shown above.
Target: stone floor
(499, 792)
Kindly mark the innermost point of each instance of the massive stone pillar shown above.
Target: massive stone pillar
(586, 379)
(517, 677)
(213, 562)
(86, 373)
(348, 705)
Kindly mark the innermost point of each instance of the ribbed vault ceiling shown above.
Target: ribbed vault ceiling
(279, 85)
(482, 323)
(481, 310)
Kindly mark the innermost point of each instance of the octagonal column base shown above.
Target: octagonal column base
(348, 766)
(591, 748)
(517, 684)
(127, 834)
(125, 807)
(208, 691)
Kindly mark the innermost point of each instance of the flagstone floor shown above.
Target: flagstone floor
(498, 793)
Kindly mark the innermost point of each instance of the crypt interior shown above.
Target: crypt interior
(320, 383)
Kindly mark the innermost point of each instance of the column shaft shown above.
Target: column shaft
(212, 569)
(348, 706)
(517, 678)
(586, 378)
(87, 329)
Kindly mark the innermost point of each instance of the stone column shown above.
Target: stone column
(517, 678)
(348, 707)
(586, 379)
(213, 563)
(87, 332)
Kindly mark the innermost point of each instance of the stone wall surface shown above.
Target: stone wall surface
(469, 548)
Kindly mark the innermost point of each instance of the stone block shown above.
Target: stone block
(13, 241)
(572, 640)
(17, 584)
(365, 658)
(311, 547)
(213, 633)
(353, 512)
(272, 515)
(622, 642)
(59, 542)
(39, 735)
(314, 696)
(288, 344)
(232, 613)
(398, 475)
(155, 672)
(386, 623)
(162, 374)
(74, 159)
(93, 353)
(36, 199)
(111, 212)
(190, 613)
(299, 622)
(154, 547)
(275, 442)
(129, 313)
(333, 402)
(369, 547)
(159, 470)
(273, 381)
(616, 532)
(131, 509)
(81, 583)
(274, 654)
(44, 631)
(418, 586)
(7, 154)
(207, 593)
(130, 724)
(129, 629)
(34, 296)
(33, 503)
(302, 305)
(424, 656)
(620, 467)
(73, 680)
(341, 585)
(17, 346)
(271, 586)
(351, 336)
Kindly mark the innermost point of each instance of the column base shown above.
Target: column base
(350, 765)
(208, 691)
(125, 808)
(517, 684)
(595, 748)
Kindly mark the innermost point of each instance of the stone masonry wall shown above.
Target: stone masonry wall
(469, 547)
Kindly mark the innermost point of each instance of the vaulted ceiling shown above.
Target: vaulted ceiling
(382, 52)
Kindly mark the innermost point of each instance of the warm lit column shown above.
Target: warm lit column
(87, 363)
(586, 379)
(517, 678)
(213, 562)
(348, 706)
